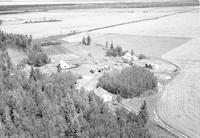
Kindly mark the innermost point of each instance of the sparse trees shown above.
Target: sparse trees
(117, 51)
(86, 41)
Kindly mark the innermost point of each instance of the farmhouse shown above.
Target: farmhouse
(64, 65)
(128, 57)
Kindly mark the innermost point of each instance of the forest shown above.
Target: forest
(36, 105)
(130, 82)
(36, 55)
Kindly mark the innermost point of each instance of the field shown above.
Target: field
(182, 96)
(148, 45)
(55, 50)
(176, 25)
(80, 20)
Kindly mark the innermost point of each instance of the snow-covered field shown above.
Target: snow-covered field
(71, 20)
(81, 20)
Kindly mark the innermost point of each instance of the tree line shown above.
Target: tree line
(36, 55)
(130, 82)
(36, 105)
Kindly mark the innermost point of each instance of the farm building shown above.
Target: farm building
(107, 98)
(103, 94)
(128, 57)
(64, 65)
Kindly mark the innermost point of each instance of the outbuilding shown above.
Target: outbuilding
(64, 65)
(107, 98)
(128, 57)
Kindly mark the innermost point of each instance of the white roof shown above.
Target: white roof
(128, 54)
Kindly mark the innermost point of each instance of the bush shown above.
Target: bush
(130, 82)
(92, 71)
(79, 77)
(141, 56)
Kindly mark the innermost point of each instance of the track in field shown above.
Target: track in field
(57, 50)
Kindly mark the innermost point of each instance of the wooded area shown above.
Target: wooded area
(36, 55)
(50, 106)
(130, 82)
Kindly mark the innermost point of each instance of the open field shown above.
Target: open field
(179, 25)
(148, 45)
(82, 20)
(180, 103)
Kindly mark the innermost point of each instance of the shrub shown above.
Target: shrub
(92, 71)
(79, 77)
(130, 82)
(141, 56)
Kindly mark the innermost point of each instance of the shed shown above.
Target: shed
(103, 94)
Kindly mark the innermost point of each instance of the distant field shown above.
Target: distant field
(83, 20)
(78, 20)
(149, 45)
(89, 4)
